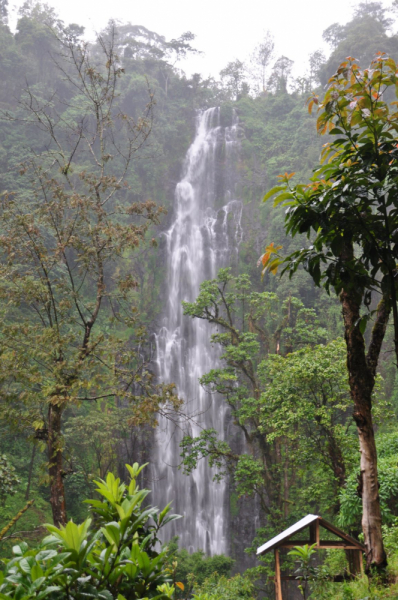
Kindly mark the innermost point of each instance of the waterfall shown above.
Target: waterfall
(203, 237)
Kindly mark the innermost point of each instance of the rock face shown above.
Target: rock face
(204, 236)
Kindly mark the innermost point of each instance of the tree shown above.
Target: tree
(8, 479)
(174, 51)
(351, 509)
(288, 396)
(96, 441)
(69, 327)
(35, 37)
(316, 60)
(279, 78)
(259, 61)
(308, 83)
(349, 209)
(4, 12)
(362, 37)
(306, 402)
(333, 34)
(375, 10)
(233, 78)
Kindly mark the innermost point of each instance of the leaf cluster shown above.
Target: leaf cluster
(289, 396)
(352, 196)
(110, 557)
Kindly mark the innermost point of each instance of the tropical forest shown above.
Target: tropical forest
(198, 314)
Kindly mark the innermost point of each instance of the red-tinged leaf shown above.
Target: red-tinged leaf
(180, 585)
(266, 257)
(272, 248)
(273, 266)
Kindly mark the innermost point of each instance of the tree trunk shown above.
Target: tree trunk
(362, 371)
(54, 446)
(32, 460)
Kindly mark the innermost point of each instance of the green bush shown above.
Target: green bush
(222, 588)
(110, 556)
(350, 501)
(192, 569)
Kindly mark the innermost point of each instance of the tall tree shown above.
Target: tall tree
(260, 60)
(315, 62)
(349, 210)
(68, 324)
(233, 78)
(173, 52)
(280, 75)
(333, 34)
(363, 36)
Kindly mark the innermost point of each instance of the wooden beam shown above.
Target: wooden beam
(293, 544)
(347, 577)
(317, 534)
(278, 583)
(326, 544)
(341, 534)
(338, 544)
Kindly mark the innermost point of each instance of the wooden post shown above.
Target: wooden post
(355, 561)
(312, 533)
(317, 536)
(278, 583)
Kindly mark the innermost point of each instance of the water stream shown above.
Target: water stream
(203, 237)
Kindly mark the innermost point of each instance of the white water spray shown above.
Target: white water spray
(203, 237)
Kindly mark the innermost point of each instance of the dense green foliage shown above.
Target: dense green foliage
(282, 373)
(349, 212)
(34, 50)
(109, 555)
(194, 569)
(288, 402)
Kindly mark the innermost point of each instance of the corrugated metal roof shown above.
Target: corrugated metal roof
(287, 533)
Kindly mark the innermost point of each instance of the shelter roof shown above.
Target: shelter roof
(305, 522)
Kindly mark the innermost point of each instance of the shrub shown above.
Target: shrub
(110, 556)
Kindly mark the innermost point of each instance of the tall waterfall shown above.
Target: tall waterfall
(204, 236)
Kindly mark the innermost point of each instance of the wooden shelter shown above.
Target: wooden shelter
(353, 548)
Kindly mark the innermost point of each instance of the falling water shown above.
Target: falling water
(204, 236)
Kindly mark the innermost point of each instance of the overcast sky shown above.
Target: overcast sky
(225, 29)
